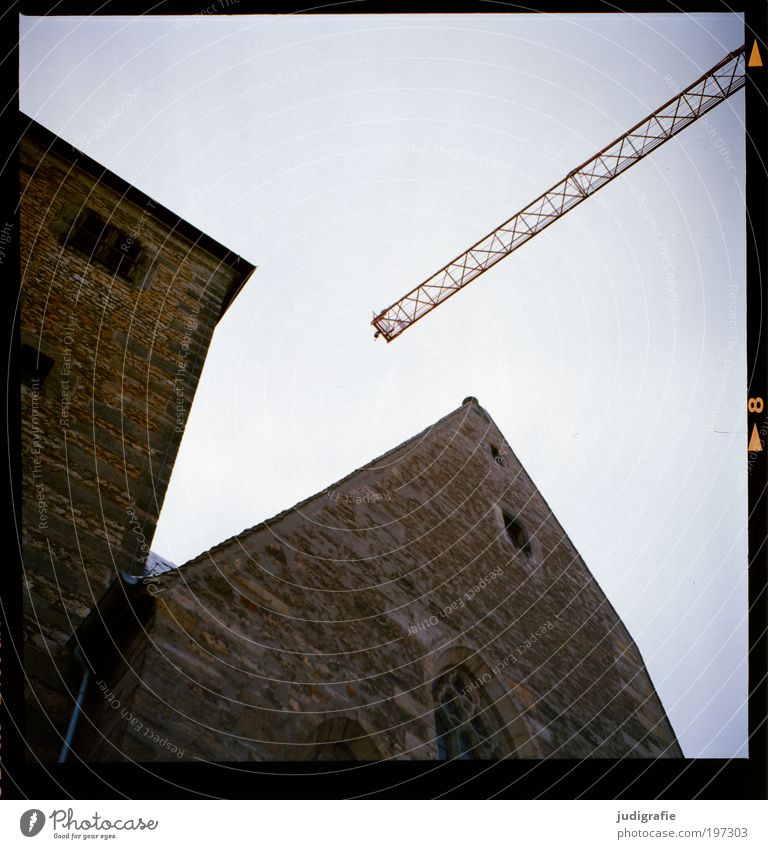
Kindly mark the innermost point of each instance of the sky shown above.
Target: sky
(349, 157)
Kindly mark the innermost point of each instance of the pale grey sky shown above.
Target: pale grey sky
(349, 158)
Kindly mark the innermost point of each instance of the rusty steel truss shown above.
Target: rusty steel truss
(713, 87)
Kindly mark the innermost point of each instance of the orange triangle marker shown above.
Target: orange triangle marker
(755, 59)
(754, 443)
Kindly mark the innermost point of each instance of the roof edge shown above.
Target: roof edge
(175, 222)
(376, 460)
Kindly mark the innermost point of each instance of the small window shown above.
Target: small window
(35, 366)
(497, 455)
(517, 535)
(106, 243)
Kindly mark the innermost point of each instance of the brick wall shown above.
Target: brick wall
(100, 433)
(332, 622)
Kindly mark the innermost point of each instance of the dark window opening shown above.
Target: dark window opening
(517, 535)
(497, 455)
(342, 739)
(106, 243)
(35, 366)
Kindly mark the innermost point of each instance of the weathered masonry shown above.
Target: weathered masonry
(427, 606)
(119, 301)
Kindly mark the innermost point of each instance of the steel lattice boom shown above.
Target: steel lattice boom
(705, 93)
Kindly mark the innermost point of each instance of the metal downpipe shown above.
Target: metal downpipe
(77, 710)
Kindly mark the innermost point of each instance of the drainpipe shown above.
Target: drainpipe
(94, 634)
(77, 710)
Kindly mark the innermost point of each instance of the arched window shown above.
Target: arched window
(467, 726)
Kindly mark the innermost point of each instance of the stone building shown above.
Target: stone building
(119, 301)
(428, 606)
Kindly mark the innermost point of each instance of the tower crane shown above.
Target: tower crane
(710, 89)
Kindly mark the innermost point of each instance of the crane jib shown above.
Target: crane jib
(712, 88)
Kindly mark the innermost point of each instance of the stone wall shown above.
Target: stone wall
(331, 622)
(100, 429)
